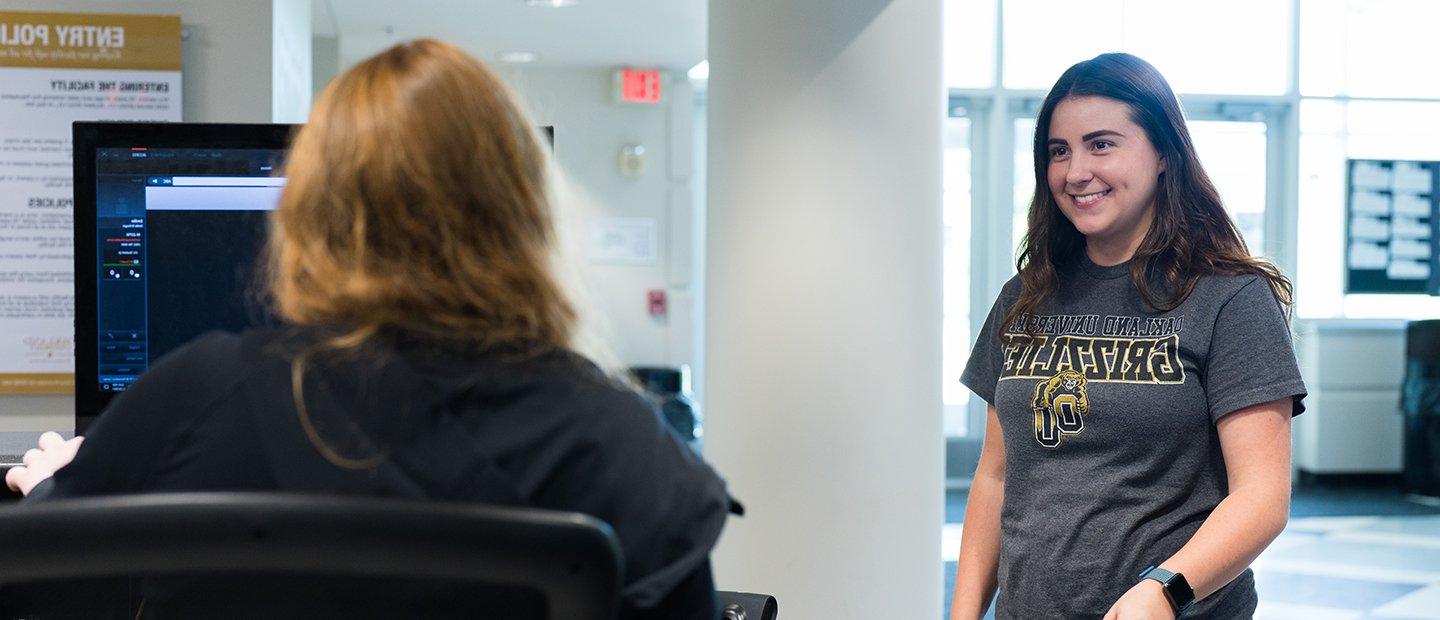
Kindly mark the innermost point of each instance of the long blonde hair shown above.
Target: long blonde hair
(416, 201)
(416, 205)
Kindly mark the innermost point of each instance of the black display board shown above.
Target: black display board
(1392, 222)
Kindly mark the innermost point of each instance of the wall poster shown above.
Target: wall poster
(57, 68)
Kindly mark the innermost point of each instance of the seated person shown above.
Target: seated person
(426, 351)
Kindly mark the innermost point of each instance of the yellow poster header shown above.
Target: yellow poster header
(37, 383)
(90, 41)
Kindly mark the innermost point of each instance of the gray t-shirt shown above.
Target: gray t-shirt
(1112, 459)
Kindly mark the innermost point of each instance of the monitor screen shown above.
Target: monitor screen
(167, 236)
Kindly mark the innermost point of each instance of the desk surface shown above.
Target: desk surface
(12, 445)
(15, 443)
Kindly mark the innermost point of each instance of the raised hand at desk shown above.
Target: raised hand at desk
(41, 463)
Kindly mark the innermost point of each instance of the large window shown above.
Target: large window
(1233, 153)
(956, 332)
(969, 43)
(1219, 46)
(1369, 48)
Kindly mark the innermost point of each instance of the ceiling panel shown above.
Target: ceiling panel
(668, 34)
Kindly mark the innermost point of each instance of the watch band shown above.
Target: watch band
(1177, 589)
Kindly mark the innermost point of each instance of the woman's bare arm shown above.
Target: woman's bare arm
(1256, 444)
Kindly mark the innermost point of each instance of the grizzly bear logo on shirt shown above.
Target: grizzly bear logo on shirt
(1060, 405)
(1067, 353)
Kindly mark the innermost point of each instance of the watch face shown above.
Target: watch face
(1180, 591)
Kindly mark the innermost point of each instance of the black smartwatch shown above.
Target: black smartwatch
(1176, 588)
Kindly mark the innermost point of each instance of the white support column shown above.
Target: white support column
(824, 302)
(291, 61)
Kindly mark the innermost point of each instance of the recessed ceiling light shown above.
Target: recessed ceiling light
(699, 72)
(554, 4)
(519, 57)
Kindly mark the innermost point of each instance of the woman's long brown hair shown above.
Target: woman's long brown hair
(416, 204)
(1190, 236)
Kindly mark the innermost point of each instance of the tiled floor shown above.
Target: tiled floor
(1330, 563)
(1352, 567)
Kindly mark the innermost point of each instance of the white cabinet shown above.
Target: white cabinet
(1352, 423)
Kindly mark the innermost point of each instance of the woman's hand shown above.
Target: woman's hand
(41, 463)
(1145, 601)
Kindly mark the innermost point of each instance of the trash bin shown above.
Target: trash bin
(1420, 404)
(671, 387)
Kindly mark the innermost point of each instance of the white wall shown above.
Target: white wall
(590, 130)
(227, 74)
(824, 313)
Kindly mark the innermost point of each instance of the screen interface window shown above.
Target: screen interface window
(178, 233)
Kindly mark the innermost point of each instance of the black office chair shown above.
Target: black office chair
(748, 606)
(1420, 406)
(550, 564)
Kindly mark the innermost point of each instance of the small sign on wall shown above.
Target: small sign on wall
(622, 241)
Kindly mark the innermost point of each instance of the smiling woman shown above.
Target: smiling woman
(1139, 375)
(1103, 173)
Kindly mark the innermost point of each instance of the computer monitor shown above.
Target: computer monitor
(169, 219)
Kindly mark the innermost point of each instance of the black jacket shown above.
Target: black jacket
(417, 420)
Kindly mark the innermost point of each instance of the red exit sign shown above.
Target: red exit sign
(637, 86)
